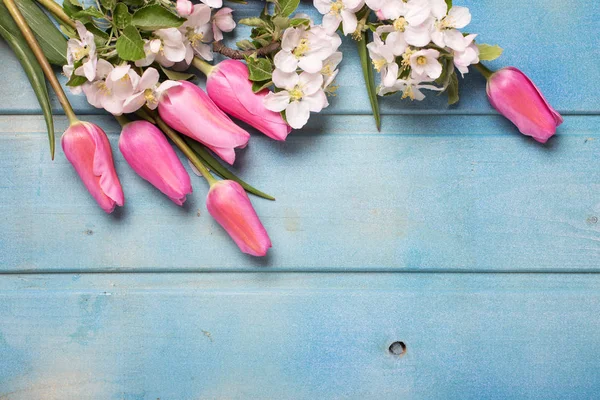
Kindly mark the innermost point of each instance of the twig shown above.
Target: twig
(219, 47)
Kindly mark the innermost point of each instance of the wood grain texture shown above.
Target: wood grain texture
(299, 336)
(479, 197)
(555, 42)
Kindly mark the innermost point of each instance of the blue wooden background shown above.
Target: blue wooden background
(449, 231)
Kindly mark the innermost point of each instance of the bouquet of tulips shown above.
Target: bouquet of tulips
(133, 59)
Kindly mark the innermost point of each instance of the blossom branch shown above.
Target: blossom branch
(219, 47)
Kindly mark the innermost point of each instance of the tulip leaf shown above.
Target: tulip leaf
(10, 32)
(449, 4)
(220, 170)
(488, 52)
(130, 45)
(153, 17)
(51, 40)
(287, 7)
(369, 79)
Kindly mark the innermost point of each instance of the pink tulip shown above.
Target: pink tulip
(228, 86)
(87, 148)
(149, 154)
(187, 109)
(516, 97)
(229, 204)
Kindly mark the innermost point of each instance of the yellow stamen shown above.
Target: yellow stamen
(421, 60)
(81, 53)
(378, 64)
(302, 48)
(296, 94)
(337, 6)
(400, 24)
(149, 96)
(408, 93)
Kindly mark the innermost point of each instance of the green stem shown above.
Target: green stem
(123, 120)
(58, 11)
(203, 66)
(485, 71)
(186, 150)
(368, 76)
(41, 58)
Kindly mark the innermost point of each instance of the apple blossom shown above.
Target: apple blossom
(222, 21)
(339, 11)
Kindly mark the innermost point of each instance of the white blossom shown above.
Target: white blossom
(305, 49)
(445, 31)
(112, 86)
(302, 95)
(197, 29)
(83, 50)
(462, 59)
(425, 62)
(384, 60)
(410, 88)
(147, 91)
(222, 21)
(167, 48)
(329, 70)
(336, 11)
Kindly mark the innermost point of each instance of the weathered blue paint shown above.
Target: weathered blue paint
(439, 189)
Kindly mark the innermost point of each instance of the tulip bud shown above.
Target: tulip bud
(516, 97)
(187, 109)
(149, 154)
(228, 86)
(87, 148)
(230, 206)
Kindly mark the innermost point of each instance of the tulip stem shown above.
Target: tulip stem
(123, 120)
(41, 58)
(483, 70)
(186, 150)
(58, 11)
(203, 66)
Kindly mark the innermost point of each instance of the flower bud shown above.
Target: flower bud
(187, 109)
(150, 155)
(87, 148)
(228, 86)
(230, 206)
(516, 97)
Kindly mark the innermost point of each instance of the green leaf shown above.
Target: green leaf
(51, 40)
(488, 52)
(369, 79)
(220, 170)
(130, 46)
(71, 7)
(88, 12)
(134, 3)
(76, 80)
(108, 4)
(449, 4)
(258, 86)
(153, 17)
(453, 89)
(255, 21)
(10, 32)
(287, 7)
(245, 45)
(176, 75)
(121, 16)
(281, 22)
(299, 21)
(260, 69)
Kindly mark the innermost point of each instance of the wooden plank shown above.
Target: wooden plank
(479, 197)
(546, 39)
(300, 336)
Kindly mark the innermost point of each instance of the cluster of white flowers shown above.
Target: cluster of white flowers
(305, 68)
(120, 89)
(410, 39)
